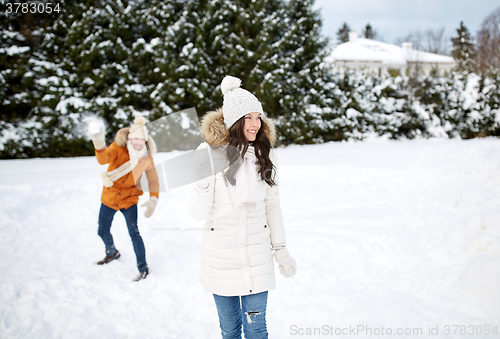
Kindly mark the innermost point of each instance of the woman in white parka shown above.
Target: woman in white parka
(240, 202)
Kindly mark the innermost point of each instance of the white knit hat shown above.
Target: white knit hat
(138, 129)
(238, 102)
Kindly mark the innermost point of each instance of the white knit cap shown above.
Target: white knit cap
(238, 102)
(138, 129)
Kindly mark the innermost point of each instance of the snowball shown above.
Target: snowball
(95, 127)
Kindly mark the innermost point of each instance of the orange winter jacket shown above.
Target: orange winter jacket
(125, 192)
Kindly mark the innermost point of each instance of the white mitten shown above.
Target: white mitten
(287, 264)
(96, 132)
(150, 206)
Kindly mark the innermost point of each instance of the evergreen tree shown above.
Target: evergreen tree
(484, 117)
(463, 50)
(20, 59)
(98, 59)
(273, 46)
(369, 32)
(120, 58)
(343, 33)
(88, 56)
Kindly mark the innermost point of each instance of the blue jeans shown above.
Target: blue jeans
(106, 217)
(251, 312)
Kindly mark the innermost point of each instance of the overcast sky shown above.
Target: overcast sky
(394, 19)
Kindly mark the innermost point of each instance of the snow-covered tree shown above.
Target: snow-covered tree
(96, 60)
(464, 50)
(484, 120)
(273, 46)
(119, 58)
(20, 93)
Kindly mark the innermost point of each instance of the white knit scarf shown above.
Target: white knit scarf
(109, 177)
(246, 180)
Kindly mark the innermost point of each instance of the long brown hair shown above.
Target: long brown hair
(238, 146)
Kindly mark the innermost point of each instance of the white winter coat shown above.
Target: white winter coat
(237, 256)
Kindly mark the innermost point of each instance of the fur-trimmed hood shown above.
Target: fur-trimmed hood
(216, 133)
(121, 138)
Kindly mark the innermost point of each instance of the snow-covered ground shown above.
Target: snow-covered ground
(388, 237)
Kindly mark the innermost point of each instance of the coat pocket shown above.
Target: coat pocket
(211, 229)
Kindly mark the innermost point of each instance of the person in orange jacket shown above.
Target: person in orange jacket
(129, 156)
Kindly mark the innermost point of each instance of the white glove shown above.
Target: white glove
(150, 206)
(287, 264)
(96, 132)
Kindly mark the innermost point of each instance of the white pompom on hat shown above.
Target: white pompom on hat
(238, 102)
(138, 129)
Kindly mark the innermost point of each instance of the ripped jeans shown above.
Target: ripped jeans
(251, 313)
